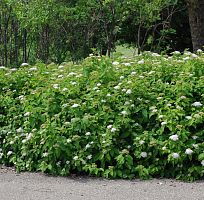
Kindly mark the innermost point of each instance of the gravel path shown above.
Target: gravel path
(37, 186)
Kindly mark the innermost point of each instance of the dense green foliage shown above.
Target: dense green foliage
(58, 31)
(131, 117)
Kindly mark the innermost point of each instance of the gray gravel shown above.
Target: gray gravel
(37, 186)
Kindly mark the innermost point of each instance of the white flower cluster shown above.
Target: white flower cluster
(174, 137)
(75, 105)
(197, 104)
(112, 129)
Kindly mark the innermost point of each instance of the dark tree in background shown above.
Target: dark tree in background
(196, 20)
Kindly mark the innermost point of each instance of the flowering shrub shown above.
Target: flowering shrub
(132, 117)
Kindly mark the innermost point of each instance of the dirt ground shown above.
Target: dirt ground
(37, 186)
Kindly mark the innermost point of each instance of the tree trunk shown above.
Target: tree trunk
(25, 46)
(196, 20)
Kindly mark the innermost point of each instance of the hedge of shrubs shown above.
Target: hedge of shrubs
(125, 118)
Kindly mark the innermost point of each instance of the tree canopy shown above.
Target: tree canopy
(62, 30)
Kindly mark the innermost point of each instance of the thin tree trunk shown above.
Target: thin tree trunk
(16, 42)
(196, 20)
(25, 46)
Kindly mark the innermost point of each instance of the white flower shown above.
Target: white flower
(174, 137)
(197, 104)
(64, 89)
(60, 76)
(109, 126)
(71, 74)
(75, 158)
(186, 58)
(103, 101)
(27, 114)
(69, 140)
(141, 142)
(127, 64)
(122, 77)
(73, 82)
(2, 67)
(115, 63)
(188, 151)
(124, 90)
(117, 87)
(164, 148)
(124, 112)
(19, 130)
(177, 52)
(183, 97)
(33, 69)
(195, 146)
(55, 86)
(67, 162)
(98, 84)
(129, 91)
(45, 154)
(87, 146)
(194, 55)
(24, 141)
(29, 136)
(154, 111)
(61, 67)
(108, 95)
(9, 153)
(197, 116)
(175, 155)
(163, 123)
(188, 117)
(194, 137)
(75, 105)
(202, 162)
(113, 130)
(89, 157)
(199, 51)
(11, 142)
(155, 55)
(161, 116)
(87, 133)
(67, 123)
(141, 61)
(21, 97)
(143, 154)
(133, 73)
(24, 64)
(13, 69)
